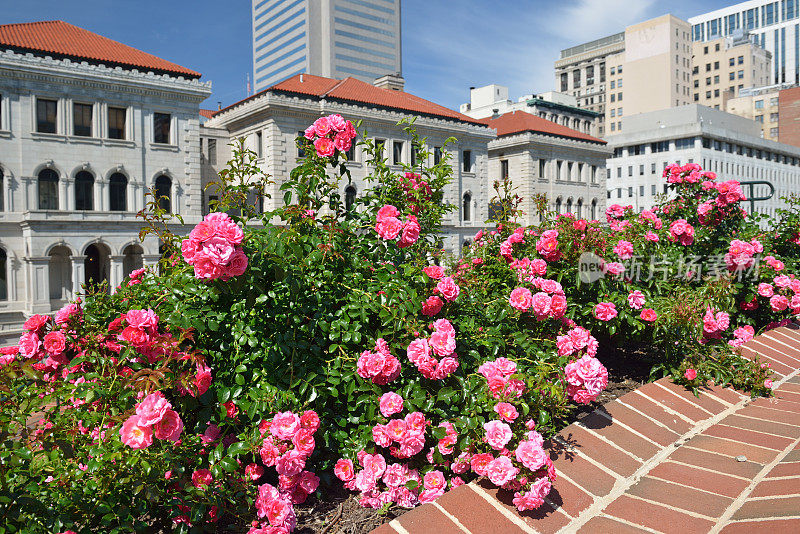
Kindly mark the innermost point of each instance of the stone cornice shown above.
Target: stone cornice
(525, 138)
(64, 71)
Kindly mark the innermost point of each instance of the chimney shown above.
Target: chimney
(393, 82)
(301, 78)
(219, 105)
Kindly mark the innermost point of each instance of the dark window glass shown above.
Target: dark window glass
(467, 206)
(2, 192)
(84, 191)
(504, 168)
(46, 115)
(116, 123)
(301, 152)
(437, 155)
(118, 192)
(467, 161)
(212, 150)
(259, 147)
(397, 152)
(48, 190)
(82, 120)
(164, 193)
(3, 275)
(161, 123)
(349, 197)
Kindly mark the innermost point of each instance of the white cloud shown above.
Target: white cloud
(586, 20)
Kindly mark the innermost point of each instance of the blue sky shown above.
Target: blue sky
(448, 45)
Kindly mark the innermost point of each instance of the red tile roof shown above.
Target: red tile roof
(207, 113)
(520, 121)
(61, 39)
(353, 90)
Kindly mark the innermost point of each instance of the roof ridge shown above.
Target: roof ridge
(339, 82)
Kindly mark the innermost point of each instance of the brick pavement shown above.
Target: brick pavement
(658, 459)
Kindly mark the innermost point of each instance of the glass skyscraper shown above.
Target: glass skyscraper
(332, 38)
(775, 26)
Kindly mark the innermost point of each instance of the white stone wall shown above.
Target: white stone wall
(281, 117)
(47, 249)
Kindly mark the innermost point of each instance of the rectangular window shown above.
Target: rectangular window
(653, 189)
(740, 74)
(630, 192)
(46, 115)
(503, 169)
(564, 82)
(630, 170)
(740, 60)
(773, 132)
(731, 75)
(116, 123)
(773, 101)
(641, 170)
(437, 155)
(641, 190)
(541, 168)
(619, 172)
(652, 168)
(716, 78)
(259, 145)
(82, 120)
(759, 118)
(613, 84)
(619, 97)
(773, 117)
(466, 161)
(708, 80)
(301, 153)
(716, 63)
(212, 151)
(414, 151)
(613, 97)
(397, 152)
(732, 62)
(161, 127)
(576, 78)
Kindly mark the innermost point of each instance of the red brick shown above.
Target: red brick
(475, 512)
(727, 394)
(703, 400)
(774, 352)
(774, 526)
(781, 486)
(656, 517)
(716, 462)
(600, 451)
(544, 519)
(776, 345)
(774, 507)
(793, 456)
(641, 424)
(789, 386)
(760, 425)
(777, 404)
(673, 402)
(678, 496)
(699, 479)
(769, 414)
(589, 476)
(788, 469)
(427, 518)
(786, 337)
(621, 437)
(384, 529)
(742, 435)
(732, 449)
(656, 412)
(787, 395)
(569, 497)
(606, 525)
(779, 368)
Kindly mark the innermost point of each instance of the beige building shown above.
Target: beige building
(645, 68)
(724, 67)
(761, 105)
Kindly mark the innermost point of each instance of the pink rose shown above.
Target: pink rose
(290, 463)
(506, 411)
(344, 470)
(636, 300)
(202, 477)
(29, 344)
(605, 311)
(434, 480)
(434, 271)
(136, 435)
(432, 306)
(386, 212)
(324, 147)
(337, 123)
(169, 427)
(390, 404)
(55, 343)
(624, 249)
(501, 470)
(521, 298)
(253, 472)
(531, 455)
(498, 434)
(448, 288)
(322, 126)
(690, 374)
(342, 142)
(284, 425)
(153, 408)
(649, 315)
(388, 228)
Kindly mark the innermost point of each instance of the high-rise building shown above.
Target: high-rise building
(775, 26)
(656, 57)
(759, 104)
(332, 38)
(723, 67)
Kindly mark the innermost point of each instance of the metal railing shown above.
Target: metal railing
(749, 188)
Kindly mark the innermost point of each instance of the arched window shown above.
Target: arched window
(558, 205)
(2, 191)
(118, 192)
(164, 193)
(467, 205)
(349, 197)
(48, 189)
(594, 209)
(3, 275)
(569, 205)
(579, 208)
(84, 191)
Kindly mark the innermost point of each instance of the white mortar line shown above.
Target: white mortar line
(779, 351)
(576, 451)
(609, 442)
(669, 507)
(767, 420)
(758, 431)
(626, 522)
(770, 497)
(674, 461)
(451, 517)
(766, 335)
(664, 388)
(681, 484)
(762, 519)
(649, 418)
(629, 429)
(788, 477)
(395, 524)
(667, 408)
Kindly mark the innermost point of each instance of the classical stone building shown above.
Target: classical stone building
(271, 120)
(541, 157)
(87, 127)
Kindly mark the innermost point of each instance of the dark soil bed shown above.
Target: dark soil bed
(339, 513)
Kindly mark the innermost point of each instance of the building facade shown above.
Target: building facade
(773, 25)
(561, 108)
(540, 157)
(645, 68)
(81, 143)
(331, 38)
(759, 104)
(724, 67)
(789, 116)
(726, 144)
(277, 115)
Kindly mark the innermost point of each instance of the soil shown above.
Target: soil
(628, 368)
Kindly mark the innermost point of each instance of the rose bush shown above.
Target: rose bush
(324, 343)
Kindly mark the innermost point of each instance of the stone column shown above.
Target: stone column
(78, 274)
(99, 196)
(117, 273)
(66, 194)
(150, 259)
(38, 268)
